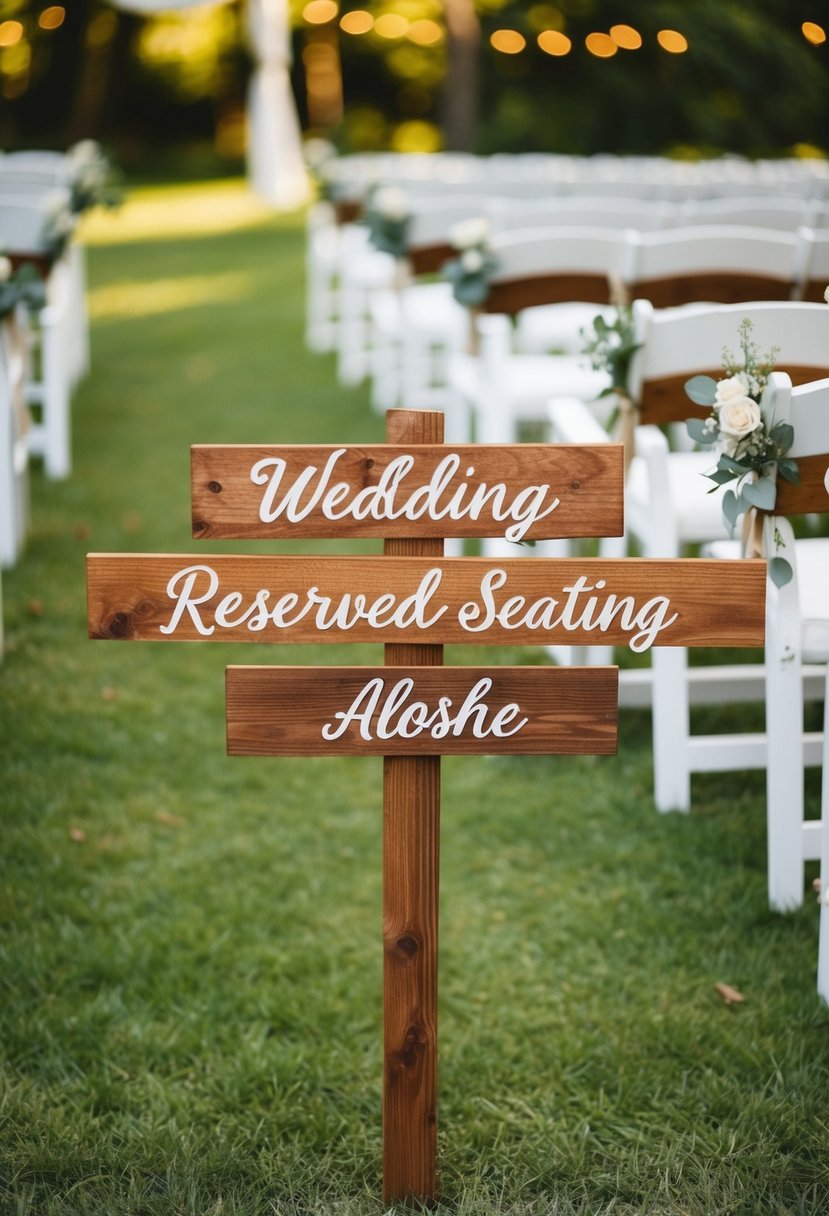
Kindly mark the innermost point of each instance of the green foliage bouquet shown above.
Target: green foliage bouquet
(752, 449)
(388, 219)
(93, 179)
(22, 286)
(473, 267)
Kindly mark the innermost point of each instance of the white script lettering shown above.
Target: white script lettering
(394, 717)
(314, 489)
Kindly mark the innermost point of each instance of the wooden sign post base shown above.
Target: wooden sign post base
(411, 862)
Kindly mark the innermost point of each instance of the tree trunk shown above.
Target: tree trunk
(460, 102)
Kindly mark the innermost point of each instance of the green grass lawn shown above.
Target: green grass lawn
(190, 958)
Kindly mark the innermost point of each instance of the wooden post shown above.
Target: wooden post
(411, 853)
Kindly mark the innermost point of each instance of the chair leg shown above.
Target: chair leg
(823, 938)
(671, 728)
(57, 458)
(784, 783)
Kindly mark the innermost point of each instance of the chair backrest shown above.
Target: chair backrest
(433, 219)
(714, 264)
(23, 221)
(677, 343)
(556, 265)
(784, 213)
(806, 407)
(591, 211)
(815, 269)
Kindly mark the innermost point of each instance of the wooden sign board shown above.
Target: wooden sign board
(631, 602)
(389, 711)
(520, 491)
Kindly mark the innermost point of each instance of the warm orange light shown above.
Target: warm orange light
(10, 33)
(51, 17)
(601, 45)
(357, 22)
(391, 25)
(508, 42)
(318, 12)
(626, 37)
(554, 43)
(425, 32)
(813, 32)
(673, 41)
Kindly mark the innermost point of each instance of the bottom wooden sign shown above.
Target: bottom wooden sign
(394, 711)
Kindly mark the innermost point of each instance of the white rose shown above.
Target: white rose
(826, 295)
(739, 416)
(391, 203)
(85, 151)
(472, 261)
(5, 269)
(734, 386)
(468, 233)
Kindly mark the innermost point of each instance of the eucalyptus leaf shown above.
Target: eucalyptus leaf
(789, 471)
(698, 431)
(780, 572)
(733, 466)
(720, 476)
(783, 435)
(761, 493)
(730, 508)
(702, 390)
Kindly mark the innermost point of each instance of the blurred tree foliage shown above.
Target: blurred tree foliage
(420, 74)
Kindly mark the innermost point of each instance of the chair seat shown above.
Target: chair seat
(558, 327)
(530, 381)
(427, 309)
(698, 514)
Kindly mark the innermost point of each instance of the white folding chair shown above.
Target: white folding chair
(797, 633)
(497, 389)
(715, 264)
(668, 507)
(23, 227)
(14, 450)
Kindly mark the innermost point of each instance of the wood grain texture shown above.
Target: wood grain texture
(665, 400)
(810, 494)
(281, 711)
(716, 603)
(726, 287)
(411, 885)
(510, 296)
(587, 481)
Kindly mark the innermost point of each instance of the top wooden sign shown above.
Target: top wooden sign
(519, 491)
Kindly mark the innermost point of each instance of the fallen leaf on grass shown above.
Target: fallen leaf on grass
(730, 995)
(173, 821)
(109, 694)
(77, 834)
(35, 607)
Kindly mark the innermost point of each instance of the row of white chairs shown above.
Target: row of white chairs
(352, 308)
(350, 178)
(43, 356)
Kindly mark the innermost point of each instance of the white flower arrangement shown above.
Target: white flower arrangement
(59, 222)
(471, 270)
(752, 449)
(388, 218)
(93, 181)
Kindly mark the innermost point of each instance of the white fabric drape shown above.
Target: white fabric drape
(276, 169)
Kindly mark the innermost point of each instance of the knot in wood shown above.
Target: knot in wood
(119, 625)
(215, 487)
(369, 462)
(408, 945)
(575, 485)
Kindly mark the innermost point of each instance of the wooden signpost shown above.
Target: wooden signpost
(414, 492)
